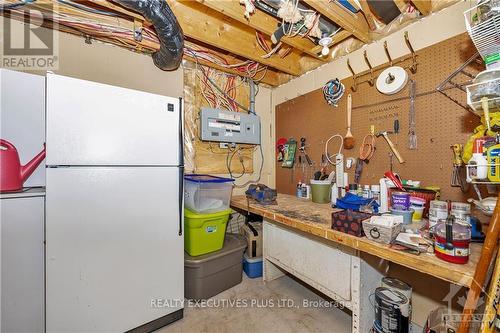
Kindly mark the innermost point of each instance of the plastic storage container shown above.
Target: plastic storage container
(207, 194)
(208, 275)
(320, 191)
(458, 251)
(252, 266)
(204, 233)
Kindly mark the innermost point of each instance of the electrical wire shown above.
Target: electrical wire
(260, 171)
(86, 8)
(327, 154)
(15, 5)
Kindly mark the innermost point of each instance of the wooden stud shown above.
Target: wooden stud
(354, 23)
(423, 6)
(259, 21)
(211, 27)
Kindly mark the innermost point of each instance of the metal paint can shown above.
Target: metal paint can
(388, 314)
(437, 212)
(400, 200)
(404, 288)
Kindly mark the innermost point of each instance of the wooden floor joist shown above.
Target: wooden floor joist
(211, 27)
(423, 6)
(259, 21)
(354, 23)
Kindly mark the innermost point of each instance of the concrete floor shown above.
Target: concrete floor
(258, 317)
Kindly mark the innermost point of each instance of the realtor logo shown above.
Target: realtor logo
(26, 44)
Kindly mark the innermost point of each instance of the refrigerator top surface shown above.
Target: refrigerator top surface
(90, 123)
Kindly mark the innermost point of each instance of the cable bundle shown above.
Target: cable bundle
(333, 91)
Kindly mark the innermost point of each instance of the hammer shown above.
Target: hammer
(391, 145)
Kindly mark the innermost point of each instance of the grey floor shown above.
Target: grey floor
(260, 316)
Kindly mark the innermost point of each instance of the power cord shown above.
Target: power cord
(327, 155)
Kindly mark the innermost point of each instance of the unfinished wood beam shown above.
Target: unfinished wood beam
(423, 6)
(213, 28)
(365, 8)
(259, 21)
(354, 23)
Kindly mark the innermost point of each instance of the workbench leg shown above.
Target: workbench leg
(366, 276)
(271, 271)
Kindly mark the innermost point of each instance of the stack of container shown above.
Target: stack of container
(213, 260)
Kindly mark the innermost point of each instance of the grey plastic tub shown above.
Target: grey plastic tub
(210, 274)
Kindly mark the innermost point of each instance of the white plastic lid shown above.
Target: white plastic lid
(320, 182)
(376, 188)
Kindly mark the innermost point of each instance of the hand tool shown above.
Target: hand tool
(349, 139)
(459, 173)
(391, 145)
(303, 150)
(412, 117)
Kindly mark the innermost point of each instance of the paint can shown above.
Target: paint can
(461, 211)
(400, 200)
(438, 211)
(388, 314)
(404, 288)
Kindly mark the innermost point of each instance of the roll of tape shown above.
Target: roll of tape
(392, 80)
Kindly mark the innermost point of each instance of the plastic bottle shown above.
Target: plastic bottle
(299, 190)
(478, 165)
(366, 192)
(493, 154)
(375, 189)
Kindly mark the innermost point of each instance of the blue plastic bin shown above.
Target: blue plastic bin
(252, 266)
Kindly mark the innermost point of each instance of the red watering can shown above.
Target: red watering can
(12, 173)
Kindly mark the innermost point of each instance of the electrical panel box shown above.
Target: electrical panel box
(226, 126)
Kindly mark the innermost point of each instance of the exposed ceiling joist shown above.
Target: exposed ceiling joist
(211, 27)
(368, 14)
(259, 21)
(356, 24)
(423, 6)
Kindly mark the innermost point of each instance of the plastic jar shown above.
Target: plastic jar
(418, 205)
(459, 252)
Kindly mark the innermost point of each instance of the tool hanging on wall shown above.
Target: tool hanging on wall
(365, 154)
(303, 151)
(349, 140)
(289, 153)
(412, 117)
(458, 175)
(280, 149)
(391, 145)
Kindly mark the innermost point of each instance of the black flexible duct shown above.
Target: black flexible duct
(169, 56)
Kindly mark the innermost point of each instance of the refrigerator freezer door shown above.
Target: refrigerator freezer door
(89, 123)
(112, 247)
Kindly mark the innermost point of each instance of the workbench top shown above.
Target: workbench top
(315, 219)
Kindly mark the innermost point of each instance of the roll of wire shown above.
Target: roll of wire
(367, 147)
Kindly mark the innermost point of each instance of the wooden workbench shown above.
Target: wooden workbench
(315, 219)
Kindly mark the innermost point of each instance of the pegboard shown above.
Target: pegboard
(440, 123)
(208, 157)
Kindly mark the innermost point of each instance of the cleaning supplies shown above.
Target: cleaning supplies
(493, 156)
(477, 168)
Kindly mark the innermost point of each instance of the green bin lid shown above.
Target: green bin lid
(193, 215)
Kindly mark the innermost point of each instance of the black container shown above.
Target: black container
(388, 316)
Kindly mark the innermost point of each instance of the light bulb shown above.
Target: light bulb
(325, 50)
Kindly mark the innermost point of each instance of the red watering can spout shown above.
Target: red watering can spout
(28, 169)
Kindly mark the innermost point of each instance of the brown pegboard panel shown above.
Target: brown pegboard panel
(440, 123)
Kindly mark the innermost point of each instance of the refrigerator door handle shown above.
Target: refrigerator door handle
(181, 133)
(181, 198)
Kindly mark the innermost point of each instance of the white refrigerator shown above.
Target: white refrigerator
(114, 208)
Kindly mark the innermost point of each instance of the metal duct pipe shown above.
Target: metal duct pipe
(169, 56)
